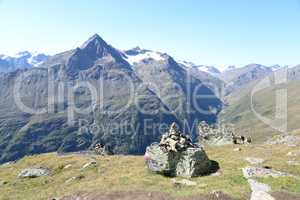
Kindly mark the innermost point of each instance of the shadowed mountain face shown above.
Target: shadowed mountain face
(179, 90)
(94, 94)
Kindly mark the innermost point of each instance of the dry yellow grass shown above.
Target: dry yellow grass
(128, 173)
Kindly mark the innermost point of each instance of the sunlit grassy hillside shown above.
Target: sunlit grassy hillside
(128, 173)
(264, 102)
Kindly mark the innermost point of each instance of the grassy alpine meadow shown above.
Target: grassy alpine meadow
(129, 173)
(240, 114)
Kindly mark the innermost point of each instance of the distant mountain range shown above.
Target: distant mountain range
(26, 59)
(22, 60)
(221, 83)
(164, 90)
(160, 87)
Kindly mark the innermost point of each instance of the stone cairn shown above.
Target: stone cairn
(100, 149)
(220, 135)
(174, 141)
(176, 155)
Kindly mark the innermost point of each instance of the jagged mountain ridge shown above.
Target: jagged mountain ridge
(22, 60)
(105, 67)
(236, 78)
(158, 80)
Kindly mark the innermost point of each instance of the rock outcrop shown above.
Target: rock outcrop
(250, 172)
(176, 155)
(215, 135)
(89, 164)
(289, 140)
(34, 172)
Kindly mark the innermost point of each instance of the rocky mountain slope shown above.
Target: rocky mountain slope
(153, 88)
(209, 75)
(174, 85)
(239, 77)
(127, 113)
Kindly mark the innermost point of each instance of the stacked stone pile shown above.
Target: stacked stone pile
(212, 135)
(220, 135)
(174, 141)
(176, 155)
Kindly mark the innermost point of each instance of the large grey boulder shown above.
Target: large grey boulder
(176, 155)
(161, 161)
(189, 163)
(34, 172)
(193, 162)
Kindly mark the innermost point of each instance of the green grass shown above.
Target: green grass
(246, 122)
(128, 173)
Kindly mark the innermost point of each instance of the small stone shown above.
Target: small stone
(89, 164)
(68, 166)
(250, 172)
(183, 182)
(237, 149)
(74, 178)
(254, 161)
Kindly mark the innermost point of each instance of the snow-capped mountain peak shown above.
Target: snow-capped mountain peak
(275, 67)
(186, 63)
(37, 59)
(22, 54)
(21, 60)
(137, 55)
(204, 68)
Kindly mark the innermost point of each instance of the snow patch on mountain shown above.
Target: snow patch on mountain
(137, 55)
(37, 59)
(21, 60)
(208, 69)
(186, 63)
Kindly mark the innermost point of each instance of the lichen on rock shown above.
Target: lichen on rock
(176, 155)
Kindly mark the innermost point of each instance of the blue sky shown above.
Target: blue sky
(211, 32)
